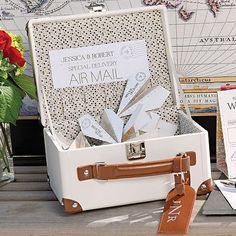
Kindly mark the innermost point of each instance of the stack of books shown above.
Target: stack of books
(201, 93)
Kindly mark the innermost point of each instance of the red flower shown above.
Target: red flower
(5, 41)
(14, 56)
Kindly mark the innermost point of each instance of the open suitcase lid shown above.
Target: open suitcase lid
(66, 105)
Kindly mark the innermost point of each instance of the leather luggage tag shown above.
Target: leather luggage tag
(177, 211)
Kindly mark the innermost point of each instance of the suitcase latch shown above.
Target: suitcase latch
(135, 151)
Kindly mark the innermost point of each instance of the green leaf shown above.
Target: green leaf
(27, 85)
(10, 102)
(5, 65)
(3, 74)
(1, 55)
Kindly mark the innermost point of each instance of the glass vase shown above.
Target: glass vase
(6, 157)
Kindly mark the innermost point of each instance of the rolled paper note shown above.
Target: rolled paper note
(151, 99)
(92, 129)
(80, 142)
(133, 86)
(113, 124)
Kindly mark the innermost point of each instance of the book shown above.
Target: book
(207, 87)
(189, 80)
(201, 92)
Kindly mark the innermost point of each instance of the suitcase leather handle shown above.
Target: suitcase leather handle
(180, 163)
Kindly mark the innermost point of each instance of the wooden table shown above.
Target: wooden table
(28, 207)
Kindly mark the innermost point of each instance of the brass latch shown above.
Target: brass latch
(135, 151)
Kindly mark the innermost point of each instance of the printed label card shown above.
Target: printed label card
(227, 106)
(99, 64)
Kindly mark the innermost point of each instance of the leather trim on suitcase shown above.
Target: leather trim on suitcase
(205, 188)
(71, 206)
(180, 163)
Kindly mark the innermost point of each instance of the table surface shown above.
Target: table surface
(29, 207)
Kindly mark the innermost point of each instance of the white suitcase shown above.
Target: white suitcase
(96, 177)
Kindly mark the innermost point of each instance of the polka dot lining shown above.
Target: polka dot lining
(68, 104)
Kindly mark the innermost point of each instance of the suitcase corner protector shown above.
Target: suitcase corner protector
(205, 187)
(71, 206)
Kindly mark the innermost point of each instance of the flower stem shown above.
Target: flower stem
(4, 154)
(6, 139)
(8, 151)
